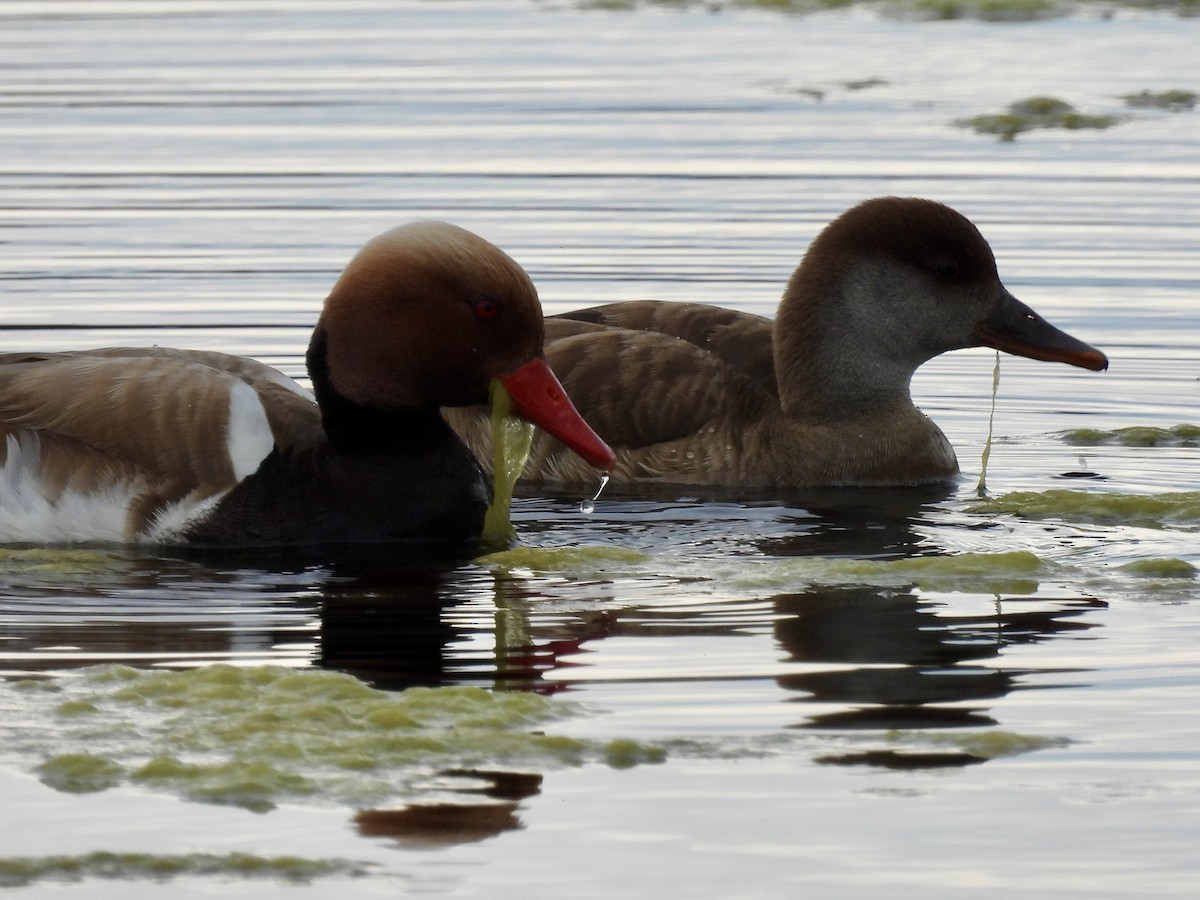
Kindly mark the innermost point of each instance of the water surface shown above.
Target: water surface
(831, 692)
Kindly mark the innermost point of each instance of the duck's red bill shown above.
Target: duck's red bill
(1013, 327)
(538, 396)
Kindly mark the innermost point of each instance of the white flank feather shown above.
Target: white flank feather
(27, 515)
(248, 436)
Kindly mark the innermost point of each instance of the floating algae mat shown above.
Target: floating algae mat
(1176, 100)
(512, 437)
(983, 744)
(22, 871)
(1013, 572)
(986, 10)
(254, 736)
(1136, 436)
(1161, 567)
(575, 560)
(1034, 113)
(54, 561)
(1181, 509)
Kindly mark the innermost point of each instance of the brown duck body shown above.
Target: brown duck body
(693, 394)
(196, 448)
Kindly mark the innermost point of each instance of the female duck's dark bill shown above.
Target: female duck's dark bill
(539, 397)
(1013, 327)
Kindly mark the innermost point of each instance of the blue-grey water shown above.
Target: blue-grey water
(855, 692)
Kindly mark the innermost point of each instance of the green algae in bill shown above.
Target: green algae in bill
(512, 437)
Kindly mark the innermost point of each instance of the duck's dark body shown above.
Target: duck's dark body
(371, 476)
(193, 448)
(420, 485)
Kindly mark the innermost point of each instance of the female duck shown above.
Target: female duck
(183, 447)
(693, 394)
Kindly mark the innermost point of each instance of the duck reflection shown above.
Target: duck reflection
(860, 657)
(428, 625)
(864, 522)
(65, 608)
(387, 626)
(904, 662)
(799, 522)
(459, 820)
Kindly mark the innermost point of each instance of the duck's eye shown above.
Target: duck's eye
(946, 269)
(487, 308)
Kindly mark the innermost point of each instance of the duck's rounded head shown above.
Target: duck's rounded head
(896, 281)
(426, 315)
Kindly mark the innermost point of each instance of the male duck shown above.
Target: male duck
(185, 447)
(693, 394)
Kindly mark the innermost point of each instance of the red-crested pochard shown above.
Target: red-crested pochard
(196, 448)
(693, 394)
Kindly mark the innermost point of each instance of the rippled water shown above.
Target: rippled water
(823, 692)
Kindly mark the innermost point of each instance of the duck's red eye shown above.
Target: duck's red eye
(487, 308)
(946, 269)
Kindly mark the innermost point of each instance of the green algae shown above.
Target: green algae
(625, 754)
(1182, 435)
(1036, 113)
(80, 773)
(987, 10)
(76, 708)
(1172, 101)
(256, 735)
(562, 559)
(1011, 572)
(862, 84)
(1181, 509)
(982, 744)
(981, 487)
(927, 10)
(52, 560)
(18, 871)
(983, 10)
(251, 784)
(1021, 562)
(1161, 567)
(512, 437)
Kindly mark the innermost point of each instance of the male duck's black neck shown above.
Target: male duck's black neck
(358, 427)
(384, 476)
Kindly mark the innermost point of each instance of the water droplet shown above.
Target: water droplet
(587, 507)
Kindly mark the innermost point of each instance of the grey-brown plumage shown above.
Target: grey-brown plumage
(694, 394)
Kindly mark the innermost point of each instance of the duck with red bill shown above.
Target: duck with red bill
(538, 396)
